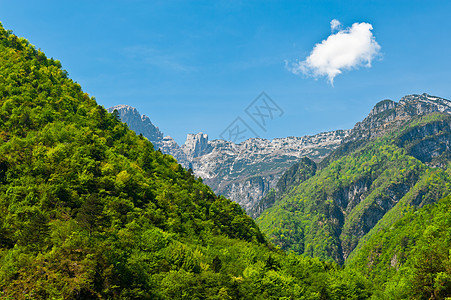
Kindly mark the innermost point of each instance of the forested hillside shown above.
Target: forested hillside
(363, 190)
(88, 209)
(411, 258)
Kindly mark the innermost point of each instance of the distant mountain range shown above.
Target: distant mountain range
(243, 172)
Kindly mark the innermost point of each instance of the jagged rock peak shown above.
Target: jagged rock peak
(243, 172)
(170, 146)
(139, 124)
(196, 145)
(123, 107)
(425, 97)
(417, 104)
(388, 115)
(382, 106)
(169, 140)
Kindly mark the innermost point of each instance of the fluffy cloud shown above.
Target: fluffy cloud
(347, 49)
(334, 24)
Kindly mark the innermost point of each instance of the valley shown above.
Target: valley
(99, 204)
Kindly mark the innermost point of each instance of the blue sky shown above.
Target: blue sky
(196, 65)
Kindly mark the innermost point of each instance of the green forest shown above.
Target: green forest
(89, 210)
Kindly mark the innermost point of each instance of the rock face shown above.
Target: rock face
(139, 124)
(243, 172)
(196, 145)
(430, 143)
(389, 116)
(246, 172)
(170, 146)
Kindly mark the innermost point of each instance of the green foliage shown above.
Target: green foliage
(412, 257)
(88, 210)
(296, 174)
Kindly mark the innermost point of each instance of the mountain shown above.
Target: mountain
(394, 161)
(296, 174)
(246, 172)
(89, 210)
(243, 172)
(388, 115)
(141, 124)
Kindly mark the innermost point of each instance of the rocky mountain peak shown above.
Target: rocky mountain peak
(170, 146)
(382, 106)
(139, 124)
(243, 172)
(196, 145)
(388, 115)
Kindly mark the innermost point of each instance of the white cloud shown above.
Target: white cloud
(334, 24)
(347, 49)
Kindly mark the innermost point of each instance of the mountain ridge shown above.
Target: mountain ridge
(243, 172)
(387, 114)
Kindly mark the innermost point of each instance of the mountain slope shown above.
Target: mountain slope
(141, 124)
(88, 209)
(411, 258)
(368, 182)
(296, 174)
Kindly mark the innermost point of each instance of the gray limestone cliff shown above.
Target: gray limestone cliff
(388, 114)
(196, 145)
(246, 172)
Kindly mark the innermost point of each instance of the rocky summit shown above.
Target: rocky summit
(243, 172)
(389, 114)
(141, 124)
